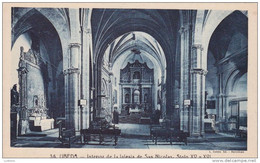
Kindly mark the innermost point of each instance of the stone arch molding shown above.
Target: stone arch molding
(109, 24)
(150, 48)
(57, 20)
(113, 23)
(232, 79)
(206, 23)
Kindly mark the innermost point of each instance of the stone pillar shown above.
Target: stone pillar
(131, 99)
(197, 110)
(120, 98)
(170, 93)
(72, 112)
(163, 98)
(72, 73)
(220, 101)
(198, 101)
(221, 105)
(23, 124)
(85, 76)
(184, 79)
(98, 90)
(221, 112)
(154, 88)
(110, 89)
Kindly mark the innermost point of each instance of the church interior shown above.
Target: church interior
(76, 70)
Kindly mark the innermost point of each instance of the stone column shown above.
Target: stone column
(225, 118)
(23, 126)
(131, 99)
(221, 113)
(85, 76)
(163, 98)
(154, 88)
(110, 89)
(184, 79)
(71, 74)
(221, 105)
(120, 97)
(197, 110)
(220, 101)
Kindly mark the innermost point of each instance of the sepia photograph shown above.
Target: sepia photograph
(111, 77)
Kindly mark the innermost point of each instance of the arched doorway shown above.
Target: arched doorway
(226, 64)
(120, 23)
(37, 55)
(140, 70)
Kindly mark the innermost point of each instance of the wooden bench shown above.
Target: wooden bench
(168, 134)
(68, 136)
(112, 131)
(242, 132)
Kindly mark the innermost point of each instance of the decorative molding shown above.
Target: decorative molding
(76, 45)
(239, 53)
(71, 71)
(197, 46)
(221, 95)
(31, 56)
(182, 30)
(199, 71)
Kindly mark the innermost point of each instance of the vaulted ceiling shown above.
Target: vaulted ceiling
(136, 41)
(39, 28)
(233, 24)
(110, 24)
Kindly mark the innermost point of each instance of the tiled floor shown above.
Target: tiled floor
(134, 129)
(135, 136)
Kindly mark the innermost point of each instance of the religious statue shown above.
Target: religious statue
(14, 96)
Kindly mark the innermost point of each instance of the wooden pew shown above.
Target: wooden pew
(68, 136)
(168, 134)
(113, 132)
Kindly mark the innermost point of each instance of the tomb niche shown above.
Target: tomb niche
(33, 84)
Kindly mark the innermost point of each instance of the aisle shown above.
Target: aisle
(134, 129)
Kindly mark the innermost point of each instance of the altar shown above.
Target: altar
(33, 95)
(135, 110)
(38, 115)
(40, 124)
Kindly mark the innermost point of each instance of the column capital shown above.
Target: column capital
(183, 29)
(76, 45)
(71, 71)
(199, 71)
(197, 46)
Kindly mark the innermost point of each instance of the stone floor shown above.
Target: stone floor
(134, 136)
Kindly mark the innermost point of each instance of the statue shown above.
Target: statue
(14, 96)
